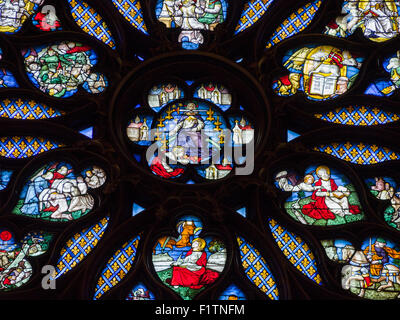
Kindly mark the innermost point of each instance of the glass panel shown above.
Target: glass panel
(60, 68)
(359, 153)
(252, 12)
(372, 272)
(25, 147)
(320, 72)
(117, 267)
(57, 193)
(140, 292)
(91, 22)
(232, 293)
(296, 251)
(132, 11)
(257, 270)
(295, 23)
(46, 19)
(323, 197)
(79, 246)
(191, 17)
(15, 269)
(13, 14)
(188, 264)
(377, 19)
(359, 116)
(27, 110)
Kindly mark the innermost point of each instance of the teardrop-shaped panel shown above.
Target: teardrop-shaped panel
(140, 292)
(295, 23)
(13, 14)
(19, 147)
(117, 267)
(27, 110)
(358, 152)
(56, 192)
(79, 246)
(257, 270)
(252, 12)
(232, 293)
(296, 251)
(359, 116)
(132, 11)
(89, 20)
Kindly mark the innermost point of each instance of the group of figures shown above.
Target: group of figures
(15, 269)
(372, 272)
(320, 72)
(59, 69)
(192, 16)
(322, 197)
(56, 193)
(189, 263)
(191, 132)
(378, 19)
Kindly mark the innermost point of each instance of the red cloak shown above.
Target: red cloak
(319, 209)
(194, 279)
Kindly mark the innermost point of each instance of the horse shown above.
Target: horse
(353, 271)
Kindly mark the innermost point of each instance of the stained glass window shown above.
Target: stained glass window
(199, 150)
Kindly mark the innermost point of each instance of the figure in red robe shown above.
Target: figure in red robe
(191, 271)
(329, 199)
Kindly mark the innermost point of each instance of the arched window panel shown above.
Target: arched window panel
(223, 123)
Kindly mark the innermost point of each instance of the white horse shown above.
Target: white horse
(353, 272)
